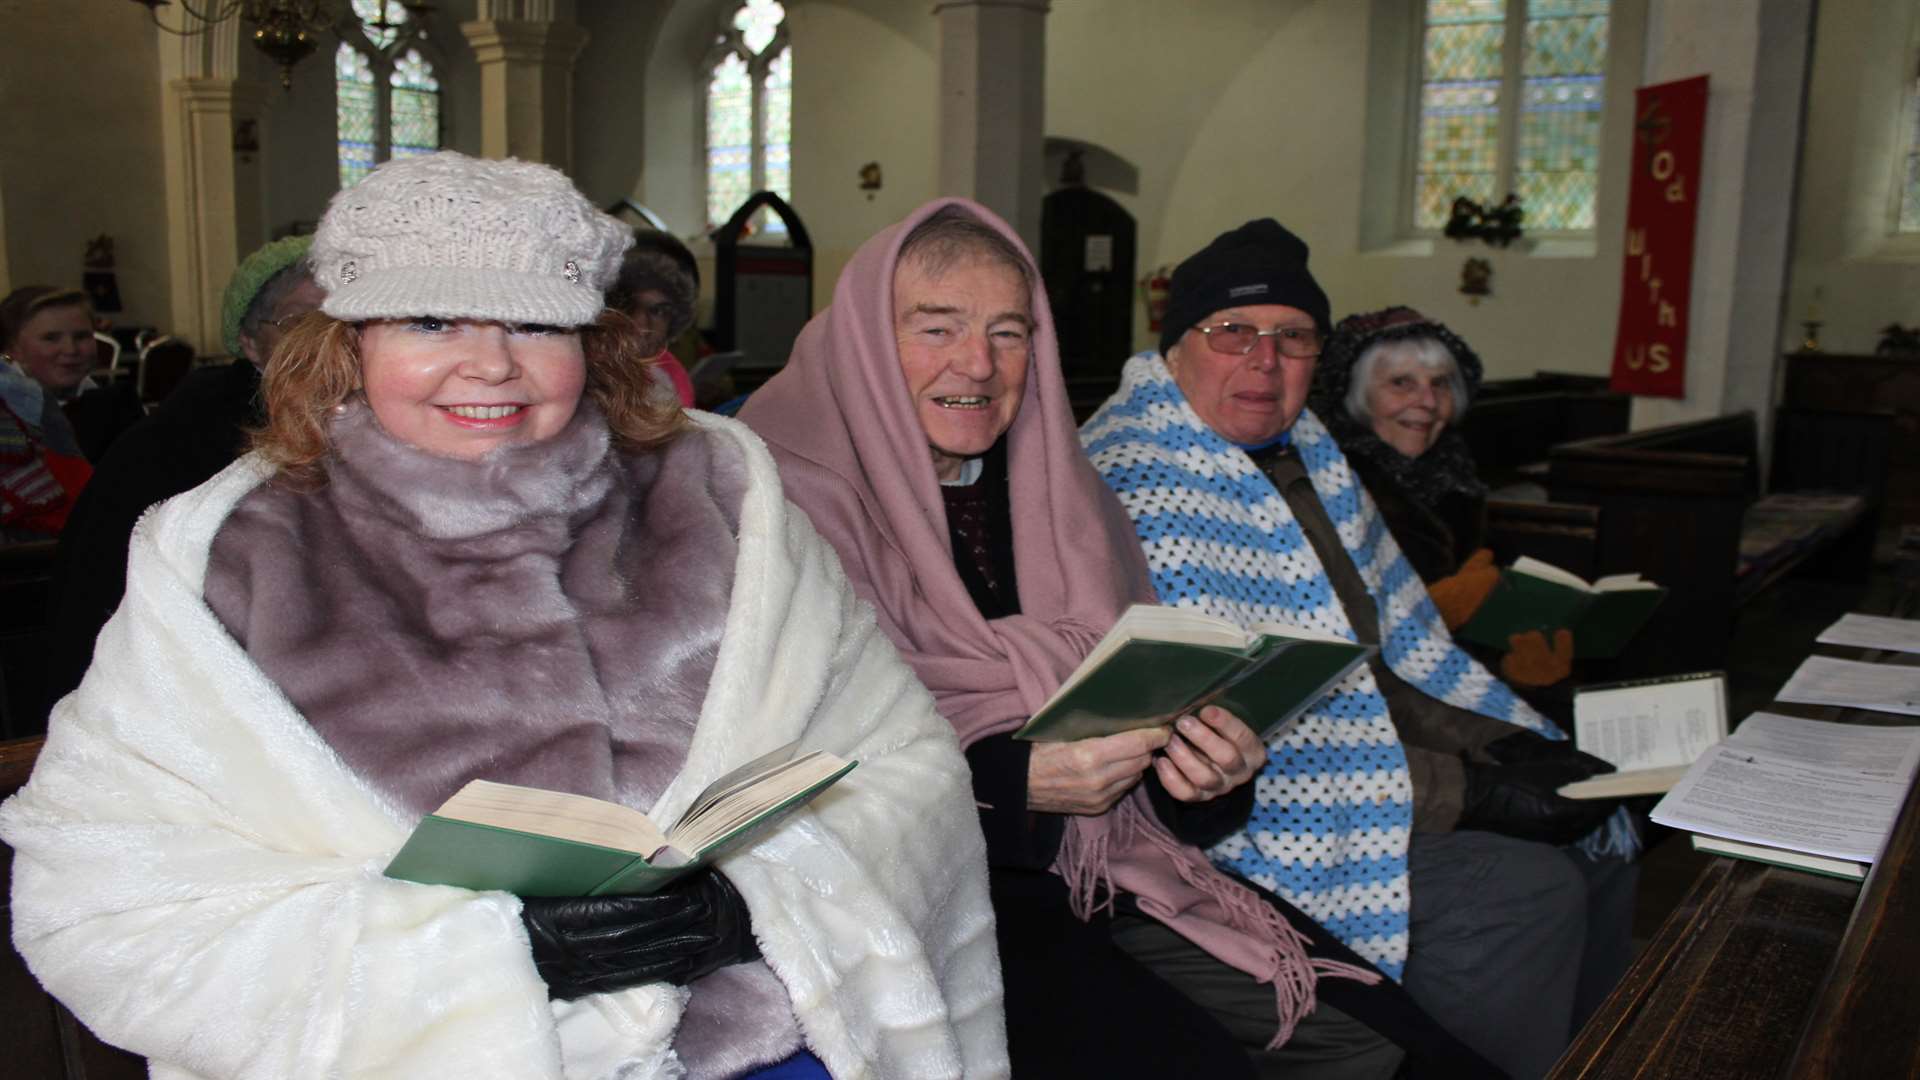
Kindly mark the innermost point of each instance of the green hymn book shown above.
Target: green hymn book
(1604, 615)
(1159, 663)
(533, 842)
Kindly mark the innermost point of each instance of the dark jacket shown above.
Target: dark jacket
(199, 430)
(1436, 540)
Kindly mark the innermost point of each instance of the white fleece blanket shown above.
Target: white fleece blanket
(198, 875)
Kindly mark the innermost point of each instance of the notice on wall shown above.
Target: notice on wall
(1650, 347)
(1099, 254)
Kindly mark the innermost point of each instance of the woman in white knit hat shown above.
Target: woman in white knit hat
(471, 542)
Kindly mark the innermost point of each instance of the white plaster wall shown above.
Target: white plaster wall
(610, 95)
(1238, 109)
(1863, 65)
(79, 87)
(1228, 110)
(865, 85)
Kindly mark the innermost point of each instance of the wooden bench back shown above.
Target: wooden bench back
(1670, 501)
(1506, 431)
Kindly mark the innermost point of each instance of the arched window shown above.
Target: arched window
(387, 100)
(1908, 181)
(749, 96)
(1512, 95)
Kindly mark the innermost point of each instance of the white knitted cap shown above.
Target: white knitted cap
(465, 238)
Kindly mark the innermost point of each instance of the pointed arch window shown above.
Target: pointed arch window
(387, 97)
(1908, 182)
(749, 111)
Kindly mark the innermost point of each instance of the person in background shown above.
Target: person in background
(46, 340)
(922, 421)
(473, 541)
(1414, 810)
(199, 430)
(1392, 386)
(658, 287)
(47, 355)
(46, 335)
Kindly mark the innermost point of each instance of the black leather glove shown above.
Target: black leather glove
(1519, 797)
(596, 944)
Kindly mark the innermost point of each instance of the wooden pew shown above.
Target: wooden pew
(1763, 971)
(1670, 503)
(41, 1039)
(1514, 423)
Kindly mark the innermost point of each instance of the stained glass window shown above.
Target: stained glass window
(416, 106)
(1486, 66)
(750, 114)
(406, 120)
(1910, 178)
(729, 138)
(381, 20)
(354, 110)
(758, 21)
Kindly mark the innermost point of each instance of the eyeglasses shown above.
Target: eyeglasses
(1238, 339)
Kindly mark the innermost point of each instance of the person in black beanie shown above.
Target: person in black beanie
(1502, 924)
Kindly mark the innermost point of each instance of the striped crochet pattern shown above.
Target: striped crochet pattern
(1333, 807)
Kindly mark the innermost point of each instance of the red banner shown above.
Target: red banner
(1650, 349)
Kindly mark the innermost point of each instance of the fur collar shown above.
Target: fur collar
(451, 499)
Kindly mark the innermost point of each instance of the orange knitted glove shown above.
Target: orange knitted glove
(1461, 593)
(1530, 661)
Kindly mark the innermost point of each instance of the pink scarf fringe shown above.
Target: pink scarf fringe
(1280, 956)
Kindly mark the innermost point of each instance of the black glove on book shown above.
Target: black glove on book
(1519, 796)
(596, 944)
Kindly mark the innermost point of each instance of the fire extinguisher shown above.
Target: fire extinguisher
(1155, 290)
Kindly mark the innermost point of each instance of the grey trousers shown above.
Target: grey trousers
(1512, 944)
(1327, 1045)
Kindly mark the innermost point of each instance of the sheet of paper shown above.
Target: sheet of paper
(1651, 726)
(1765, 799)
(1822, 680)
(1873, 632)
(1887, 753)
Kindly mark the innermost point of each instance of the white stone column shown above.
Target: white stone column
(215, 209)
(993, 74)
(1755, 54)
(526, 87)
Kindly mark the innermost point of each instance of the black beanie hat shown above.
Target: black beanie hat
(1258, 263)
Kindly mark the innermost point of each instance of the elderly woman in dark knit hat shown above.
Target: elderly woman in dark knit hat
(1392, 386)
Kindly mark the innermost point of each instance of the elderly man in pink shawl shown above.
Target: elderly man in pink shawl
(922, 423)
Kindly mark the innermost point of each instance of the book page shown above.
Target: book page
(579, 818)
(1156, 622)
(1873, 632)
(1651, 726)
(1532, 567)
(1289, 632)
(1889, 753)
(1622, 582)
(1762, 798)
(734, 780)
(738, 807)
(1823, 680)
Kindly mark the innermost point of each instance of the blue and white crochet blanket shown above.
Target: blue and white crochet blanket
(1333, 808)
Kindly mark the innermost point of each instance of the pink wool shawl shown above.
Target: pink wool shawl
(852, 454)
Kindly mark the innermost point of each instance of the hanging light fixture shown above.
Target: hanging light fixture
(286, 31)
